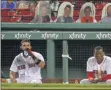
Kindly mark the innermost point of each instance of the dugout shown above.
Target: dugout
(53, 41)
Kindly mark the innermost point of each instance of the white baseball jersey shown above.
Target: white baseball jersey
(105, 66)
(26, 68)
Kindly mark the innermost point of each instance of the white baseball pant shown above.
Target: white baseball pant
(86, 81)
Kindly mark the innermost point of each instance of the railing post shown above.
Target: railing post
(50, 59)
(65, 61)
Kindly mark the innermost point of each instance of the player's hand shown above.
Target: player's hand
(95, 80)
(37, 61)
(92, 80)
(30, 53)
(99, 79)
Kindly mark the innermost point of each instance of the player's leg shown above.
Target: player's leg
(85, 81)
(28, 80)
(23, 80)
(108, 81)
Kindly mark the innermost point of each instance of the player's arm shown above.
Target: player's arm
(41, 62)
(13, 77)
(90, 73)
(108, 69)
(38, 58)
(13, 70)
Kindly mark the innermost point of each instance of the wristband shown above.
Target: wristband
(38, 62)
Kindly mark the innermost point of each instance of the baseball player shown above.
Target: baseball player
(98, 68)
(27, 64)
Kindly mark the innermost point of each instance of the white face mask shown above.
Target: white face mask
(25, 53)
